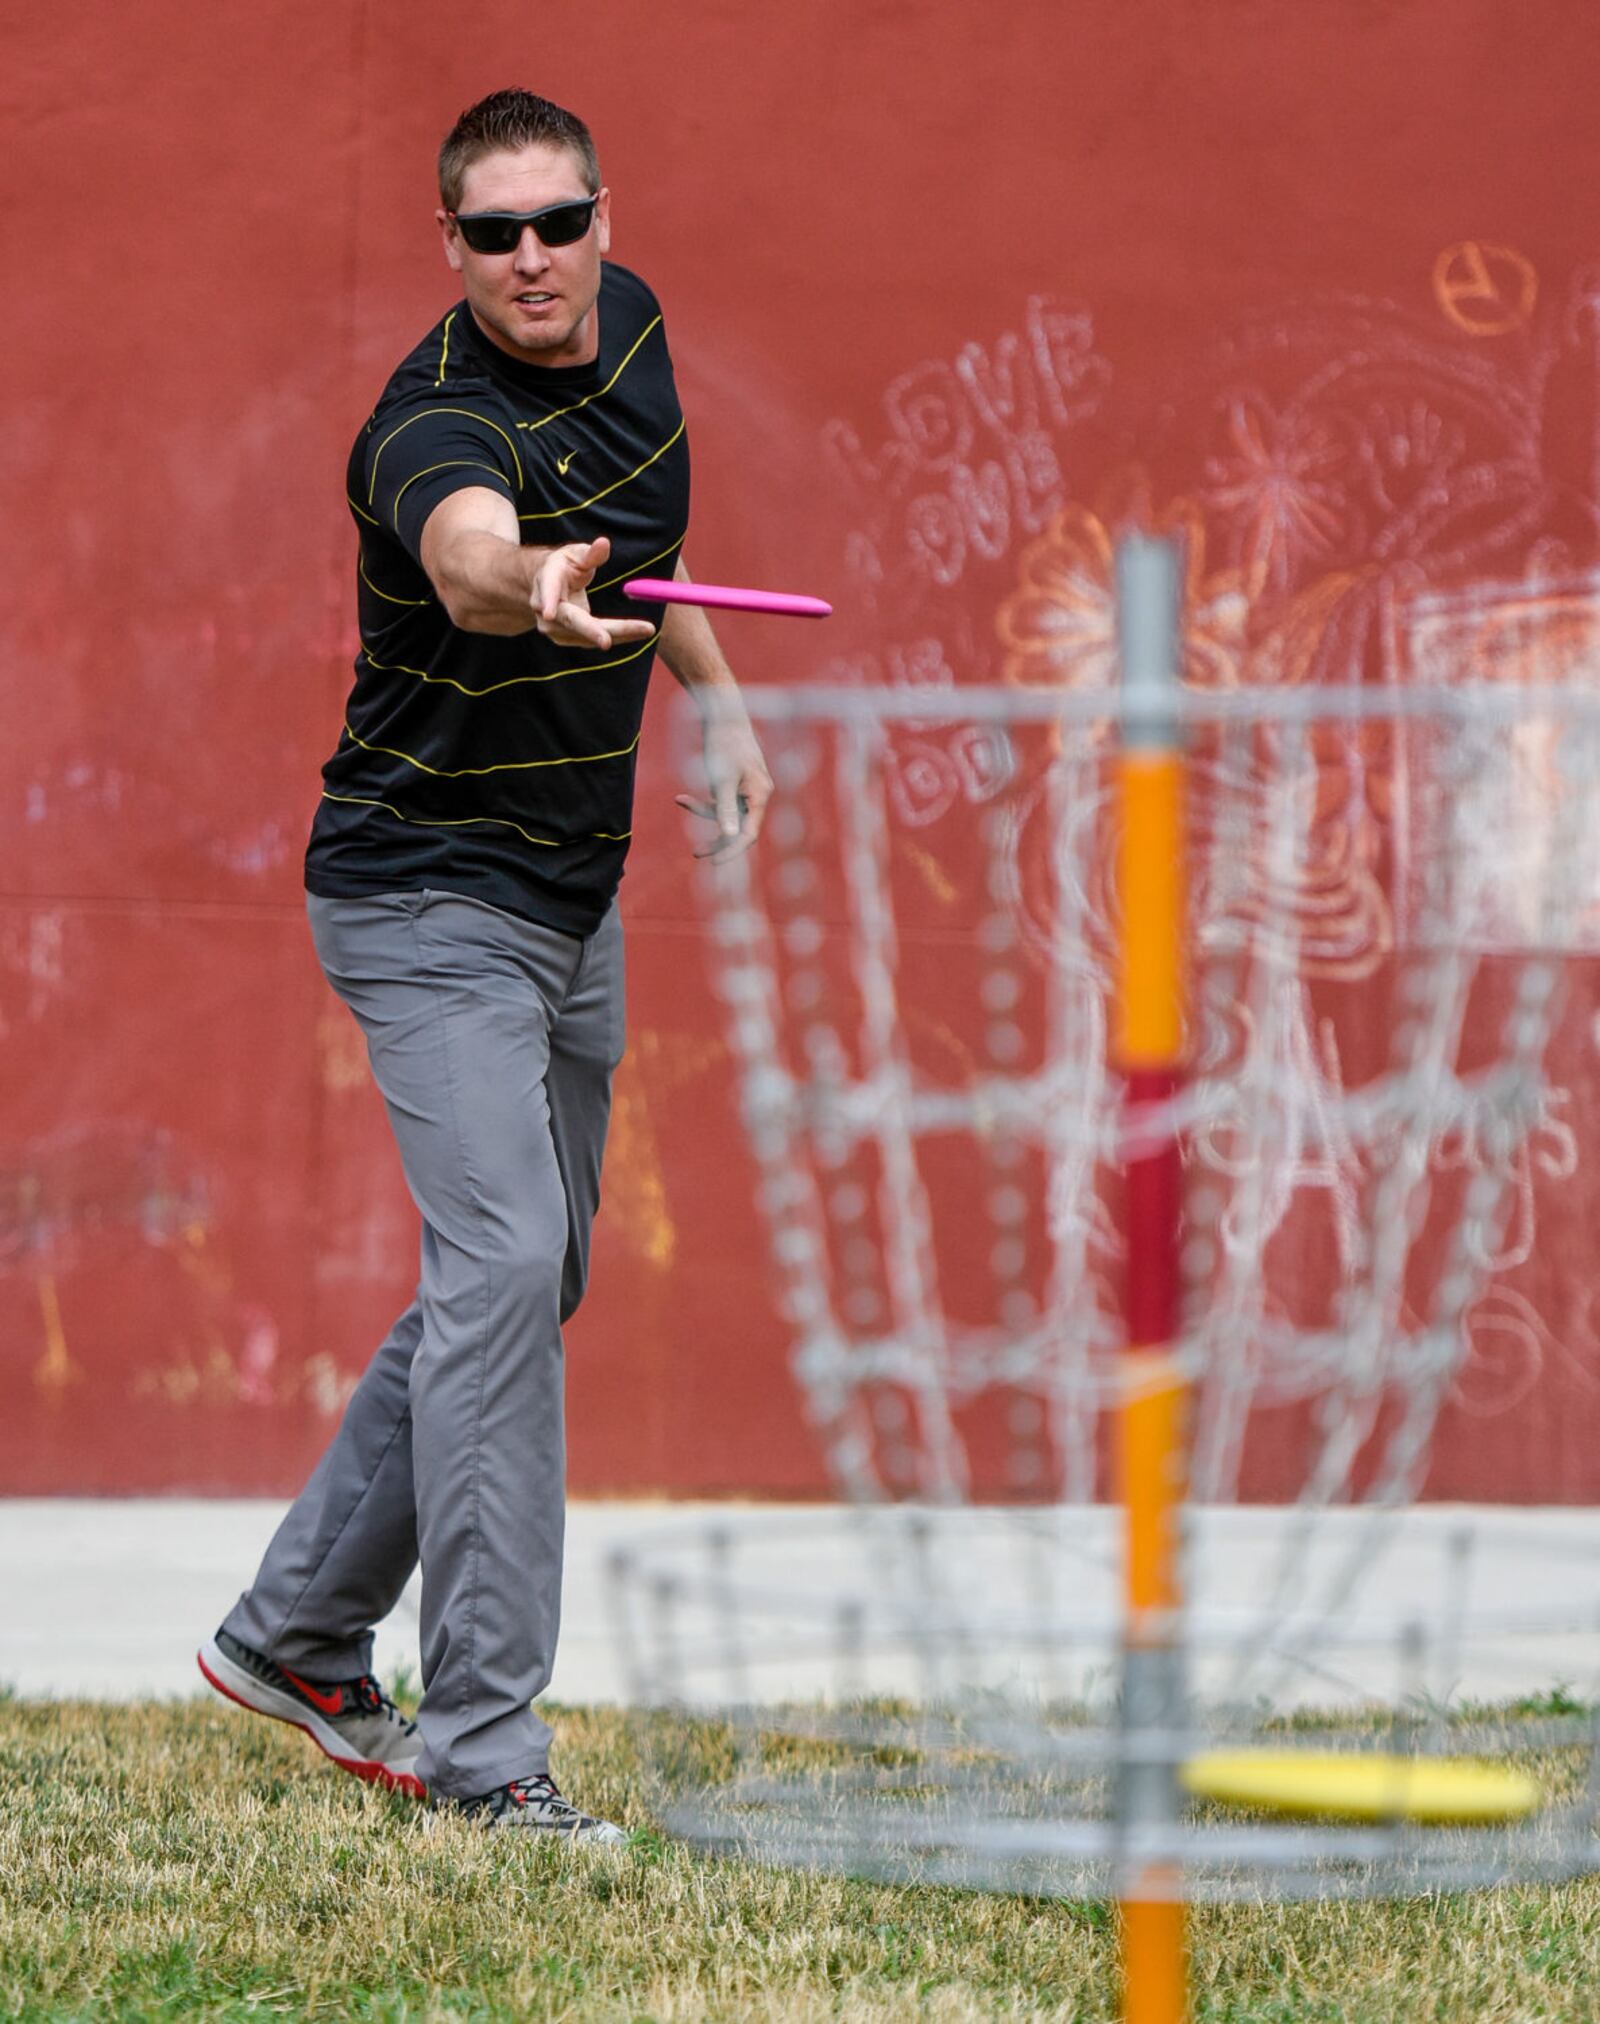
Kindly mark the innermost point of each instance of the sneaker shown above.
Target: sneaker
(355, 1722)
(535, 1806)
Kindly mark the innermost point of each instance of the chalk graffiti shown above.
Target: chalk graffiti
(973, 456)
(77, 1200)
(55, 1370)
(1278, 479)
(1365, 494)
(1485, 290)
(32, 961)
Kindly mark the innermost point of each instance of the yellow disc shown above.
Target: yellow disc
(1340, 1786)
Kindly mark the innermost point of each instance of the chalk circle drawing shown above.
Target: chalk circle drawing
(1485, 290)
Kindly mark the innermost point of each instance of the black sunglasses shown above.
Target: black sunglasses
(501, 231)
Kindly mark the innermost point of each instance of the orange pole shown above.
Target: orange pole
(1150, 891)
(1155, 1961)
(1150, 1433)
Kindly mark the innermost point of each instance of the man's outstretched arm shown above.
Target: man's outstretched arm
(489, 582)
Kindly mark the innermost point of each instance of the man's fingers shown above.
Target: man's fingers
(712, 811)
(707, 812)
(560, 591)
(750, 808)
(728, 842)
(581, 559)
(568, 570)
(576, 623)
(726, 847)
(754, 798)
(577, 618)
(553, 587)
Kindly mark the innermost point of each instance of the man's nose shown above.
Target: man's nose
(532, 254)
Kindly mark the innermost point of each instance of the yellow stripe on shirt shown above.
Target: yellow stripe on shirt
(506, 766)
(559, 512)
(511, 681)
(639, 568)
(467, 821)
(449, 464)
(388, 598)
(471, 414)
(557, 413)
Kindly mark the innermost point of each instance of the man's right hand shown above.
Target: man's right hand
(560, 597)
(490, 582)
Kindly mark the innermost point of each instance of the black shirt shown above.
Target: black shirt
(472, 763)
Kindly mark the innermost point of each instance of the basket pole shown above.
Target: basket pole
(1150, 1434)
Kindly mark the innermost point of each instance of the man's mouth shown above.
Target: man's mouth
(533, 299)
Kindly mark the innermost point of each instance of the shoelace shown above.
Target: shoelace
(376, 1702)
(542, 1791)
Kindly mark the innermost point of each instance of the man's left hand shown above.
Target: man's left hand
(740, 786)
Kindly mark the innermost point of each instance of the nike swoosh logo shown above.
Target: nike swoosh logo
(563, 462)
(329, 1699)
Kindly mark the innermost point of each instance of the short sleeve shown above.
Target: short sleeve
(415, 460)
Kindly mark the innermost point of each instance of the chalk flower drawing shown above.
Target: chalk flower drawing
(1058, 628)
(1281, 484)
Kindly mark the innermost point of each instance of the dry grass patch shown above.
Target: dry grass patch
(187, 1861)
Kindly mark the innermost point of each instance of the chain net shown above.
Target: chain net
(1394, 906)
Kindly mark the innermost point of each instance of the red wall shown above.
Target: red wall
(1321, 282)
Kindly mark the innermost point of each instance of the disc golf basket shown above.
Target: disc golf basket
(1144, 1085)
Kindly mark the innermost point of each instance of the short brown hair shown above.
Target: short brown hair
(510, 120)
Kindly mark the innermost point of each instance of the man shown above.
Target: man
(523, 461)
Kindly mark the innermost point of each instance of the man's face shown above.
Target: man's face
(538, 302)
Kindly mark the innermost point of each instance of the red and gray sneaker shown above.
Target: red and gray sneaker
(354, 1722)
(536, 1807)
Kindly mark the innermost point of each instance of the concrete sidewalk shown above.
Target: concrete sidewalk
(109, 1599)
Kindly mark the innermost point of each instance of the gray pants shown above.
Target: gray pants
(493, 1041)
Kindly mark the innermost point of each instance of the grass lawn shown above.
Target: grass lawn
(188, 1861)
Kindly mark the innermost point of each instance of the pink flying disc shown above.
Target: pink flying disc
(657, 589)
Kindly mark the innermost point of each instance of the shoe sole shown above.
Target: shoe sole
(606, 1835)
(491, 1824)
(235, 1684)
